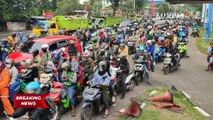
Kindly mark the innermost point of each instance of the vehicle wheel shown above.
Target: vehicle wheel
(138, 80)
(131, 85)
(87, 113)
(45, 90)
(166, 70)
(56, 115)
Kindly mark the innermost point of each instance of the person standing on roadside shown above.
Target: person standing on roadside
(210, 57)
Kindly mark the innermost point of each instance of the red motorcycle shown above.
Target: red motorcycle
(60, 97)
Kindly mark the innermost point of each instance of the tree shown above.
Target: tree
(165, 7)
(140, 4)
(115, 4)
(18, 9)
(68, 7)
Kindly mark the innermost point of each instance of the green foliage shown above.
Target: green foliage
(67, 7)
(140, 4)
(164, 7)
(115, 4)
(48, 5)
(18, 9)
(94, 7)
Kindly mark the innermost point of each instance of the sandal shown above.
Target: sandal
(73, 114)
(105, 114)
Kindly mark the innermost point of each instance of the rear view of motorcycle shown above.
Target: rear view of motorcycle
(169, 65)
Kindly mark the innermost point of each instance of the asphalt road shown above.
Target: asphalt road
(191, 78)
(4, 35)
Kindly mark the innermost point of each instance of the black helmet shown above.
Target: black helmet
(102, 66)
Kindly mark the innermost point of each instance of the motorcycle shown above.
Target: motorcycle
(92, 102)
(195, 33)
(60, 96)
(168, 64)
(139, 71)
(182, 50)
(129, 82)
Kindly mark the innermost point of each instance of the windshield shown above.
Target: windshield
(41, 25)
(31, 46)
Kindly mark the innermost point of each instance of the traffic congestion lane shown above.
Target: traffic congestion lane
(191, 78)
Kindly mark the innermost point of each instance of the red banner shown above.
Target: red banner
(30, 101)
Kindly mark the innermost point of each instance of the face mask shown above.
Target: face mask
(44, 50)
(100, 68)
(8, 66)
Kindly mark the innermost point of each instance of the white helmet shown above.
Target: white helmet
(149, 41)
(44, 46)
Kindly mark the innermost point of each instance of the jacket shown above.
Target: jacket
(4, 79)
(101, 80)
(72, 50)
(13, 74)
(124, 66)
(45, 57)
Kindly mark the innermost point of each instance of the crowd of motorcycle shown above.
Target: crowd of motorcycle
(98, 74)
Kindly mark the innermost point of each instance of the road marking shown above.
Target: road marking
(202, 111)
(187, 96)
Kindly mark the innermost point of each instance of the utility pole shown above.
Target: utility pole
(134, 4)
(152, 9)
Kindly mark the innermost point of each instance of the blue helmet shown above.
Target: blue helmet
(21, 34)
(33, 87)
(141, 48)
(161, 38)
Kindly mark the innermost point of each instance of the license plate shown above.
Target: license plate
(167, 60)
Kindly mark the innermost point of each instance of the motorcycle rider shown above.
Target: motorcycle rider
(87, 62)
(182, 46)
(22, 38)
(72, 49)
(150, 48)
(4, 91)
(35, 63)
(124, 71)
(33, 113)
(46, 56)
(14, 81)
(69, 78)
(175, 54)
(12, 43)
(123, 50)
(101, 77)
(141, 54)
(210, 57)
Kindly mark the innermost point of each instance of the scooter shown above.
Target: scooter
(129, 82)
(60, 96)
(92, 102)
(195, 33)
(168, 64)
(139, 71)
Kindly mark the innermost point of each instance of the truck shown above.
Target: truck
(105, 21)
(68, 23)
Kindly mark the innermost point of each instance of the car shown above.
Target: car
(54, 42)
